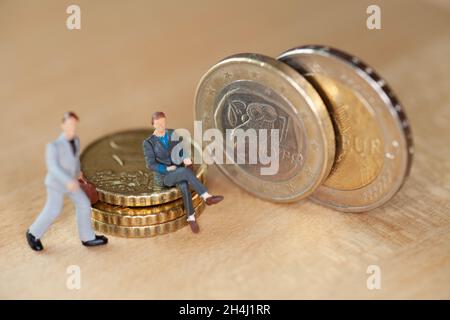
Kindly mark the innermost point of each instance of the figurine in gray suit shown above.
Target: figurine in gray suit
(63, 166)
(158, 156)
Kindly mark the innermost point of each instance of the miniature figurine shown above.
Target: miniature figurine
(63, 166)
(157, 152)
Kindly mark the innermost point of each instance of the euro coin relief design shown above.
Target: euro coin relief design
(116, 165)
(374, 147)
(252, 92)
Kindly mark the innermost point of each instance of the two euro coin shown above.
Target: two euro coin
(344, 136)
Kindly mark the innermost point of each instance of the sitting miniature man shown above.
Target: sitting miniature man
(158, 156)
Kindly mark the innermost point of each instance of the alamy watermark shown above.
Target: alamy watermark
(234, 146)
(73, 21)
(374, 280)
(373, 21)
(73, 281)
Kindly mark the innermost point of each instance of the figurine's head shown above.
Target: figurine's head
(159, 121)
(69, 124)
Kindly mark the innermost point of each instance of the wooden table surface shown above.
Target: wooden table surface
(131, 58)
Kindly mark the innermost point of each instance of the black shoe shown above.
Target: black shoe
(213, 200)
(34, 243)
(98, 241)
(194, 226)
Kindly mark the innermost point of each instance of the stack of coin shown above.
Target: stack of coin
(133, 201)
(344, 138)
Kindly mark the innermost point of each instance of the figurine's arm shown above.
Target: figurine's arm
(150, 159)
(78, 172)
(53, 166)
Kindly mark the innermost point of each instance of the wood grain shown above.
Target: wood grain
(132, 58)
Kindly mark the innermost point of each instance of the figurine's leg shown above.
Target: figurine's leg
(187, 198)
(83, 209)
(177, 178)
(188, 175)
(52, 209)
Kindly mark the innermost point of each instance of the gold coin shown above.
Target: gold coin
(145, 231)
(374, 148)
(116, 165)
(256, 93)
(140, 216)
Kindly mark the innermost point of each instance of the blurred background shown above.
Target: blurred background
(131, 58)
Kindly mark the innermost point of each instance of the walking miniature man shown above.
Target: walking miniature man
(157, 151)
(63, 166)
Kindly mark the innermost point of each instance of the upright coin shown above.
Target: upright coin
(252, 93)
(374, 148)
(116, 165)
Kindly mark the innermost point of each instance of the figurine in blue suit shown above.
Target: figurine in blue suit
(158, 156)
